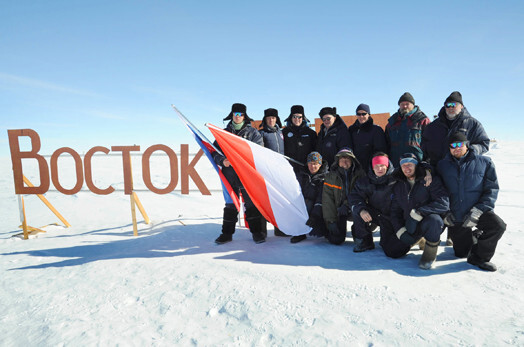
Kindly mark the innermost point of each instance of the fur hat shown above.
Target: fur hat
(238, 108)
(328, 110)
(270, 112)
(296, 109)
(407, 97)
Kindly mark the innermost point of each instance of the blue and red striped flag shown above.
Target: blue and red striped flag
(229, 195)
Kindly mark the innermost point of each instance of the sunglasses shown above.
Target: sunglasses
(297, 117)
(238, 114)
(327, 119)
(457, 144)
(362, 114)
(451, 104)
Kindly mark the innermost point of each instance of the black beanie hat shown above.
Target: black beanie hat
(407, 97)
(328, 110)
(363, 107)
(457, 137)
(270, 112)
(238, 108)
(454, 97)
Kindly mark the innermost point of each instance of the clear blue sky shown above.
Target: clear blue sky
(86, 73)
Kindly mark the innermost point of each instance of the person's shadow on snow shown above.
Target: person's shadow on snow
(172, 239)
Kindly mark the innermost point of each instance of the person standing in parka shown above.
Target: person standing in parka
(472, 182)
(366, 138)
(370, 202)
(311, 182)
(405, 128)
(337, 186)
(416, 209)
(299, 138)
(271, 131)
(240, 125)
(333, 134)
(453, 117)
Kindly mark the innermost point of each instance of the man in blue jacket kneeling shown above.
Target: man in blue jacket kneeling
(472, 182)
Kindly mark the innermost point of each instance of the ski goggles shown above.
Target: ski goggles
(451, 104)
(458, 144)
(238, 114)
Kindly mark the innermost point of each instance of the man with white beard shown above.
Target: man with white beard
(453, 117)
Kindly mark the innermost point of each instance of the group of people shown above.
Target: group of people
(412, 180)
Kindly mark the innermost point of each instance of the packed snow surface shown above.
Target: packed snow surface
(96, 284)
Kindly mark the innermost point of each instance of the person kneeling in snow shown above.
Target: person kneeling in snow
(311, 182)
(370, 203)
(416, 209)
(240, 125)
(338, 184)
(472, 182)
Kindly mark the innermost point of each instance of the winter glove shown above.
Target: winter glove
(311, 222)
(405, 237)
(333, 228)
(449, 219)
(472, 218)
(342, 211)
(416, 215)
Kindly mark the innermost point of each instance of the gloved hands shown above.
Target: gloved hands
(472, 218)
(333, 228)
(311, 221)
(405, 237)
(449, 219)
(412, 221)
(343, 211)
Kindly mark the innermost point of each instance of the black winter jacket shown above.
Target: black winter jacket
(299, 141)
(311, 185)
(330, 142)
(435, 137)
(426, 200)
(372, 191)
(366, 139)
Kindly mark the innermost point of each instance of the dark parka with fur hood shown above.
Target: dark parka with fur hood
(337, 187)
(435, 137)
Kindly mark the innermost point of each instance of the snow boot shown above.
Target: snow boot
(421, 244)
(298, 238)
(449, 241)
(229, 220)
(362, 245)
(257, 225)
(484, 265)
(429, 256)
(279, 232)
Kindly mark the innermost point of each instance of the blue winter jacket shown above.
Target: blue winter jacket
(426, 200)
(435, 137)
(471, 182)
(273, 138)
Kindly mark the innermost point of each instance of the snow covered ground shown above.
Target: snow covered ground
(96, 284)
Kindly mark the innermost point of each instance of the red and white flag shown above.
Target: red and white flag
(268, 179)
